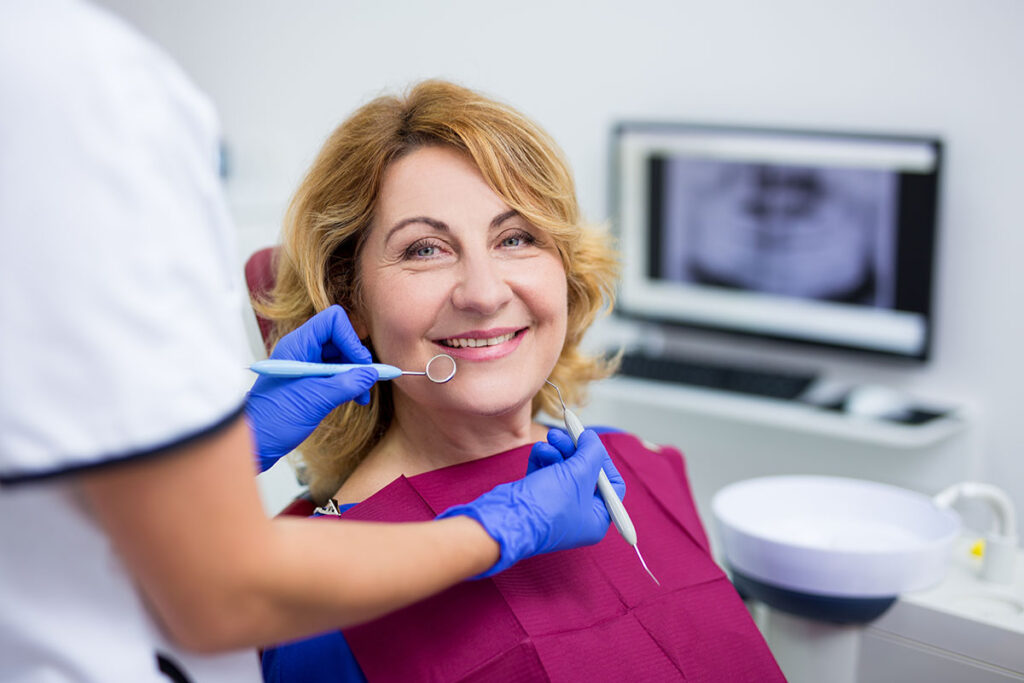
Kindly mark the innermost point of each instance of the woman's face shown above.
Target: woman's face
(448, 267)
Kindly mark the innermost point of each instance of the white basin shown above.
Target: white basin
(833, 537)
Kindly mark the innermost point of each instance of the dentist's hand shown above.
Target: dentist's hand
(282, 412)
(555, 507)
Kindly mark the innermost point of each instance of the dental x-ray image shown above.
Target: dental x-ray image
(823, 233)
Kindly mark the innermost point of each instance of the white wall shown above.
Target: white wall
(283, 74)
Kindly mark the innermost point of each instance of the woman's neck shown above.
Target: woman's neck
(420, 440)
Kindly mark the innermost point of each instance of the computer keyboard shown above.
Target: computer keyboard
(713, 375)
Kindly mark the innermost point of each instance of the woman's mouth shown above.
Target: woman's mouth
(463, 342)
(483, 345)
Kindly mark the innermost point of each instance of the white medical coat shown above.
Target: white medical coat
(120, 326)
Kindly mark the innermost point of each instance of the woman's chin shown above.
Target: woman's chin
(495, 402)
(491, 409)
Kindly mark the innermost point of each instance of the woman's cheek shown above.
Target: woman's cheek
(408, 318)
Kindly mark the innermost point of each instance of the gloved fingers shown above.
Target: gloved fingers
(340, 331)
(586, 463)
(561, 440)
(312, 398)
(328, 327)
(329, 353)
(363, 398)
(351, 385)
(265, 384)
(301, 343)
(617, 482)
(542, 455)
(593, 440)
(601, 517)
(265, 462)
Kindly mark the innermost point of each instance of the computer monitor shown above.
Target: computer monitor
(815, 237)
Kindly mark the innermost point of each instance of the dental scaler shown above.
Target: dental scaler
(616, 510)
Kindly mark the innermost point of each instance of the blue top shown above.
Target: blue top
(326, 657)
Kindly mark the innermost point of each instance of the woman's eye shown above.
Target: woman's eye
(518, 239)
(423, 250)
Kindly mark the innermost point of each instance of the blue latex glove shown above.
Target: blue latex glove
(283, 411)
(554, 507)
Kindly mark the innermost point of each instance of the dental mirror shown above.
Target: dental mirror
(440, 369)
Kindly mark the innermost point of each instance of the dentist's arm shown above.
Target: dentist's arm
(190, 527)
(220, 575)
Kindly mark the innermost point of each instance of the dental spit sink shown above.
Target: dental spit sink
(831, 548)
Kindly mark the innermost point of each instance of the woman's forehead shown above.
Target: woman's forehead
(439, 183)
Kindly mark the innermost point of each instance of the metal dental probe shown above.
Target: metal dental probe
(616, 510)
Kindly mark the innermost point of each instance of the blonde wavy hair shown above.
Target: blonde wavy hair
(331, 213)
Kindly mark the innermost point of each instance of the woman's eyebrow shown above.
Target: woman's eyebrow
(502, 217)
(432, 222)
(441, 226)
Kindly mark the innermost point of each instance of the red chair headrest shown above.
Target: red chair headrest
(259, 277)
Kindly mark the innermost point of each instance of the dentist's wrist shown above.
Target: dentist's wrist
(484, 550)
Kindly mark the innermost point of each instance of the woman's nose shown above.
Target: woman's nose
(482, 286)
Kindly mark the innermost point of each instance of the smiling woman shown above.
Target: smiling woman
(444, 222)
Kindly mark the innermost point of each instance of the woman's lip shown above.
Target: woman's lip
(481, 353)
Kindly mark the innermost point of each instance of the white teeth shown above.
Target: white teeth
(462, 343)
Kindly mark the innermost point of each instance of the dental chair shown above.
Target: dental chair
(260, 274)
(259, 277)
